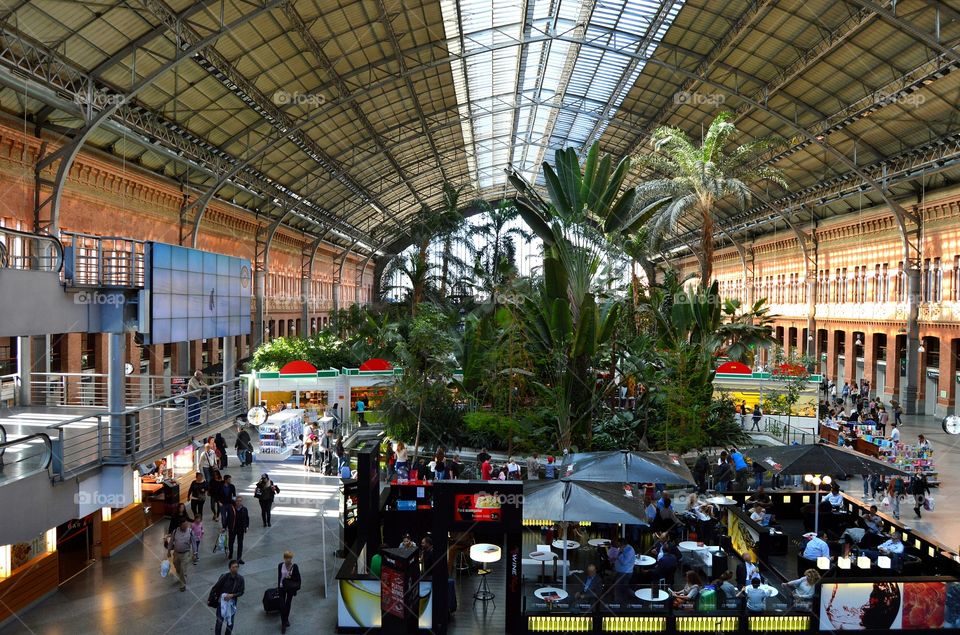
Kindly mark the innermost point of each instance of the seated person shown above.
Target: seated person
(817, 547)
(747, 570)
(690, 592)
(805, 587)
(760, 497)
(892, 547)
(871, 521)
(592, 586)
(835, 498)
(650, 509)
(664, 569)
(760, 516)
(847, 545)
(756, 596)
(407, 542)
(666, 518)
(726, 590)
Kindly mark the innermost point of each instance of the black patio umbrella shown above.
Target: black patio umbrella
(621, 466)
(819, 458)
(568, 501)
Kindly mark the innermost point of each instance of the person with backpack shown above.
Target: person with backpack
(223, 597)
(757, 416)
(244, 447)
(288, 583)
(919, 488)
(723, 474)
(265, 492)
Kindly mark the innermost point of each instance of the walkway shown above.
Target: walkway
(125, 594)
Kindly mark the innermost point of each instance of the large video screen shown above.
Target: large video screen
(196, 294)
(888, 606)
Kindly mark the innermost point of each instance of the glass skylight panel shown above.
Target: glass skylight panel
(515, 109)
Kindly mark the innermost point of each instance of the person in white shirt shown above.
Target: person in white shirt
(817, 547)
(923, 443)
(513, 470)
(892, 547)
(805, 587)
(895, 434)
(835, 498)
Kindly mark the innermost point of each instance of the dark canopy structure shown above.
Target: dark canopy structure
(819, 459)
(626, 467)
(568, 501)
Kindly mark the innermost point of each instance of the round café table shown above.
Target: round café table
(553, 594)
(571, 545)
(721, 500)
(652, 595)
(644, 561)
(543, 557)
(598, 542)
(690, 545)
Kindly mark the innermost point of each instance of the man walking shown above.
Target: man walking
(326, 452)
(236, 531)
(361, 409)
(225, 592)
(181, 545)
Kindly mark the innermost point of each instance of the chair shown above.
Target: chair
(483, 592)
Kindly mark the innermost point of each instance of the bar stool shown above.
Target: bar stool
(484, 554)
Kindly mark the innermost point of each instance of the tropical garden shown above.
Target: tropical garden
(503, 356)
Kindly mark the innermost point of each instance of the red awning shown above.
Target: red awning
(298, 368)
(375, 363)
(737, 368)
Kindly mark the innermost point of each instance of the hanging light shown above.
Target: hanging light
(921, 349)
(859, 342)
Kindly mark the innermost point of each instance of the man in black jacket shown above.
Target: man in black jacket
(237, 529)
(230, 586)
(244, 447)
(288, 583)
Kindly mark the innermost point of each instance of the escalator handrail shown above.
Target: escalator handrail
(48, 447)
(58, 246)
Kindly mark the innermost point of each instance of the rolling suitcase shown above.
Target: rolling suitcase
(271, 601)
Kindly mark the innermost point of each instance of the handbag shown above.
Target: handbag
(291, 584)
(928, 503)
(221, 542)
(213, 598)
(164, 568)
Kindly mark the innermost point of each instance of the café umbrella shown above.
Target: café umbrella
(622, 466)
(568, 501)
(820, 458)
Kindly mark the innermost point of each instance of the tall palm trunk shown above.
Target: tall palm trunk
(445, 265)
(635, 286)
(706, 246)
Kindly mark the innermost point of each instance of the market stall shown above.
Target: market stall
(280, 435)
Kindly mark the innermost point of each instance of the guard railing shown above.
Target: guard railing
(10, 389)
(91, 389)
(102, 261)
(86, 442)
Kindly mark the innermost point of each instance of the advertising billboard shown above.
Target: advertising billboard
(887, 606)
(195, 294)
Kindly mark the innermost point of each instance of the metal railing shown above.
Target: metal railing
(10, 389)
(787, 433)
(30, 252)
(24, 456)
(91, 389)
(87, 441)
(103, 261)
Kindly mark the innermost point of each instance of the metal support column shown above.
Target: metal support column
(229, 357)
(24, 363)
(118, 434)
(908, 388)
(260, 301)
(304, 307)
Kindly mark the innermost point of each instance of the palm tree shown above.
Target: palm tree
(498, 240)
(693, 179)
(449, 225)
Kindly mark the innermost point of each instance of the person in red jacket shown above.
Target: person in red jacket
(486, 470)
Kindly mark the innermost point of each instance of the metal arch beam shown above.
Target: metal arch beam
(338, 275)
(144, 38)
(244, 88)
(307, 256)
(384, 18)
(909, 27)
(747, 262)
(297, 21)
(52, 72)
(67, 153)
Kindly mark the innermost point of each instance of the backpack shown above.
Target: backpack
(898, 487)
(213, 598)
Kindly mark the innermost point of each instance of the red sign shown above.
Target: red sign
(392, 591)
(298, 368)
(375, 363)
(476, 508)
(737, 368)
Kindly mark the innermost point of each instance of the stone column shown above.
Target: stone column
(850, 358)
(947, 384)
(833, 348)
(870, 359)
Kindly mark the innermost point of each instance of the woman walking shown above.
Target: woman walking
(265, 492)
(402, 466)
(288, 583)
(221, 444)
(216, 494)
(198, 495)
(919, 488)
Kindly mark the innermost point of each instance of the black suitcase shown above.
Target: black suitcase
(271, 601)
